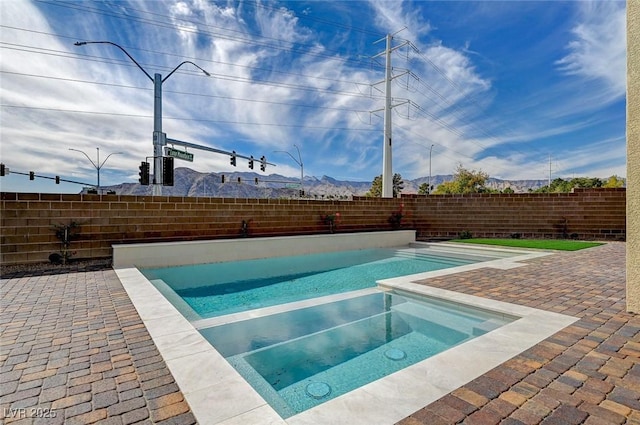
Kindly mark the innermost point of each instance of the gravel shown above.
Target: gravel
(41, 269)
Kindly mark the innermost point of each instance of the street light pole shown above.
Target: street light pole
(430, 150)
(301, 170)
(159, 138)
(299, 162)
(97, 165)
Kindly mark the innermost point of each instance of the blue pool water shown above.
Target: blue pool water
(302, 358)
(222, 288)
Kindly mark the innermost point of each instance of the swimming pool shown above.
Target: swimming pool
(218, 394)
(209, 290)
(302, 358)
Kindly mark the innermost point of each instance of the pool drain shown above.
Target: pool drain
(395, 354)
(318, 390)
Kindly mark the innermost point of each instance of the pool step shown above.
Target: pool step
(434, 258)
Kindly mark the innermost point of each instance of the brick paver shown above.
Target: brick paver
(74, 351)
(73, 345)
(587, 373)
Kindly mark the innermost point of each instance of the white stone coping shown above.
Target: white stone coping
(217, 394)
(169, 254)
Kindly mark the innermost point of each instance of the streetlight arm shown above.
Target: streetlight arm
(82, 43)
(90, 160)
(176, 68)
(292, 157)
(105, 160)
(299, 156)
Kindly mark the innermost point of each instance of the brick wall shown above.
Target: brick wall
(586, 213)
(27, 233)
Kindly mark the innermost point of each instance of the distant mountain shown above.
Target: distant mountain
(188, 182)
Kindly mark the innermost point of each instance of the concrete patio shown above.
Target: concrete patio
(74, 350)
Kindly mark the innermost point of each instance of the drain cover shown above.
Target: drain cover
(395, 354)
(318, 390)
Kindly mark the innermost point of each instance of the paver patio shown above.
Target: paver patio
(73, 345)
(587, 373)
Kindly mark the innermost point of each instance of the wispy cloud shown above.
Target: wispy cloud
(598, 48)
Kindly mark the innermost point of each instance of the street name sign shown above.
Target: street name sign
(186, 156)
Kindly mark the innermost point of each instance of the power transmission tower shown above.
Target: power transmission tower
(387, 169)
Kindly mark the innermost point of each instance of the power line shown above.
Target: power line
(293, 47)
(190, 119)
(470, 99)
(181, 57)
(221, 76)
(269, 102)
(227, 77)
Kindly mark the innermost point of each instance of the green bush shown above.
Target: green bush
(465, 235)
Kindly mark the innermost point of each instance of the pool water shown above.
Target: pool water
(217, 289)
(299, 359)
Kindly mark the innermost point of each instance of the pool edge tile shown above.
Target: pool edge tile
(232, 396)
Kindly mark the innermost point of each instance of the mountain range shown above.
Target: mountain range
(188, 182)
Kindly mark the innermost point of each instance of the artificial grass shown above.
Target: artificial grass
(557, 244)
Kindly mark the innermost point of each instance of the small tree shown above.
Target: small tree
(464, 181)
(65, 233)
(424, 189)
(614, 181)
(376, 186)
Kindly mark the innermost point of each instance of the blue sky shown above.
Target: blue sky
(495, 86)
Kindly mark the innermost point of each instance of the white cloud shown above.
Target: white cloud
(598, 50)
(394, 16)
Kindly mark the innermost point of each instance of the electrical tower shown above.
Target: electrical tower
(387, 168)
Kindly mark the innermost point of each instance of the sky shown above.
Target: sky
(516, 89)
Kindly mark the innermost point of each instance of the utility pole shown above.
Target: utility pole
(430, 151)
(387, 168)
(387, 171)
(549, 173)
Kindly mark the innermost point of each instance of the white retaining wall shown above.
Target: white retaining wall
(214, 251)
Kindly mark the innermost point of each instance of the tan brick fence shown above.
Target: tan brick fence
(28, 232)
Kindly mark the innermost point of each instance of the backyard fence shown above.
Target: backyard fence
(42, 227)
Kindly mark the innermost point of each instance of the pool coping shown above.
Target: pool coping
(217, 394)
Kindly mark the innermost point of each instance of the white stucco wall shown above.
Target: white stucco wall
(633, 156)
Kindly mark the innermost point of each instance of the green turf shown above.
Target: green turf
(562, 245)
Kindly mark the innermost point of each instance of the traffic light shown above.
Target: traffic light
(263, 163)
(2, 171)
(222, 178)
(57, 179)
(233, 158)
(144, 173)
(167, 171)
(256, 180)
(251, 162)
(32, 175)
